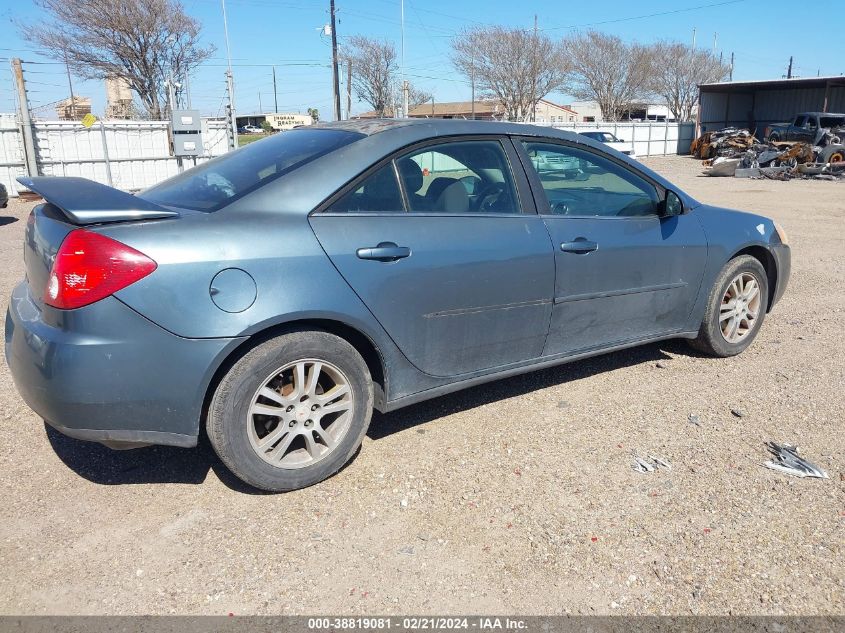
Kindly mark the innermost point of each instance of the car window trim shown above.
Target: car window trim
(525, 197)
(539, 193)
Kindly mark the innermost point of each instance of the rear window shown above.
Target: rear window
(214, 184)
(832, 121)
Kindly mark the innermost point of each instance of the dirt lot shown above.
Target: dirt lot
(513, 497)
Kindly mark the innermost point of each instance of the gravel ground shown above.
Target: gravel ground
(515, 497)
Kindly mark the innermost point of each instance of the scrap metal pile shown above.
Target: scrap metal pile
(736, 152)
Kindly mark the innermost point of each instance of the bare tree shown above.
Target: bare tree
(373, 66)
(513, 66)
(676, 72)
(142, 41)
(607, 70)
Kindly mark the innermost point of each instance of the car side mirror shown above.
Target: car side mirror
(672, 205)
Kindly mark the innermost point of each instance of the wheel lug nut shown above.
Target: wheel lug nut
(289, 409)
(292, 423)
(315, 407)
(308, 423)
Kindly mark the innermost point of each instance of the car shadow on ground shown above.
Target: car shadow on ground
(166, 464)
(7, 219)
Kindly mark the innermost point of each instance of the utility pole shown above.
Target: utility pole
(70, 87)
(275, 93)
(404, 82)
(171, 95)
(472, 81)
(693, 37)
(731, 76)
(232, 127)
(187, 91)
(535, 69)
(715, 39)
(335, 78)
(789, 70)
(348, 87)
(230, 85)
(260, 109)
(26, 121)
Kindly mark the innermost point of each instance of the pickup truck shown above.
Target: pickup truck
(822, 129)
(807, 127)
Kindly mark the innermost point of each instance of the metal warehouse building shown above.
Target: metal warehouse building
(755, 104)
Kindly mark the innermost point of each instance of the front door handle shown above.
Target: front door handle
(579, 245)
(384, 252)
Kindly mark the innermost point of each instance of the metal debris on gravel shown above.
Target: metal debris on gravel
(790, 463)
(642, 465)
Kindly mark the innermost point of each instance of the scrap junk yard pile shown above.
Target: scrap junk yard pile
(817, 154)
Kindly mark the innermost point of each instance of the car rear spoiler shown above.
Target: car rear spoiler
(84, 201)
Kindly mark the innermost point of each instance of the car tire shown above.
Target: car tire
(717, 335)
(832, 154)
(273, 452)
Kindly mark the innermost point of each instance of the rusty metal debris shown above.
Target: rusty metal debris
(735, 152)
(788, 462)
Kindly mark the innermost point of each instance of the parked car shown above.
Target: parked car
(4, 196)
(280, 293)
(822, 129)
(251, 129)
(610, 139)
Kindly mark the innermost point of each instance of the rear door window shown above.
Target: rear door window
(378, 193)
(472, 176)
(221, 181)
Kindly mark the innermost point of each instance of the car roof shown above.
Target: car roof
(445, 127)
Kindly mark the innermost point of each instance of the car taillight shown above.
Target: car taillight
(90, 267)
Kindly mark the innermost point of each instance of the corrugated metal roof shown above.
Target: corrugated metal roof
(796, 82)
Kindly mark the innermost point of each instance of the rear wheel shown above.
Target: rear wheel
(735, 309)
(832, 154)
(292, 411)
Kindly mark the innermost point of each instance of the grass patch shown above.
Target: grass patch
(246, 139)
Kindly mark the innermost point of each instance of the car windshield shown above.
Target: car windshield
(220, 181)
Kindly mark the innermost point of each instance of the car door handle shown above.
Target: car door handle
(384, 252)
(579, 245)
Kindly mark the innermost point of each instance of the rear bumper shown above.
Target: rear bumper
(105, 373)
(783, 259)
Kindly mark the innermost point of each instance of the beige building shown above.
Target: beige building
(73, 109)
(287, 121)
(118, 98)
(484, 110)
(547, 111)
(550, 112)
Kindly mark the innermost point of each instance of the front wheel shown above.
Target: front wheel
(292, 411)
(735, 309)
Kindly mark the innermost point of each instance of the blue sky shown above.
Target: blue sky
(762, 34)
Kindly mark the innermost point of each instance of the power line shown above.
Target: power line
(645, 16)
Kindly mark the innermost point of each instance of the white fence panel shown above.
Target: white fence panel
(138, 151)
(11, 153)
(649, 138)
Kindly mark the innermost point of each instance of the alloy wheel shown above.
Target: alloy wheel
(740, 307)
(300, 413)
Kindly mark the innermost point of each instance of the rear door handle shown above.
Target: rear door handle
(579, 245)
(384, 252)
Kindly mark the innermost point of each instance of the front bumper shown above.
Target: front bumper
(783, 259)
(105, 373)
